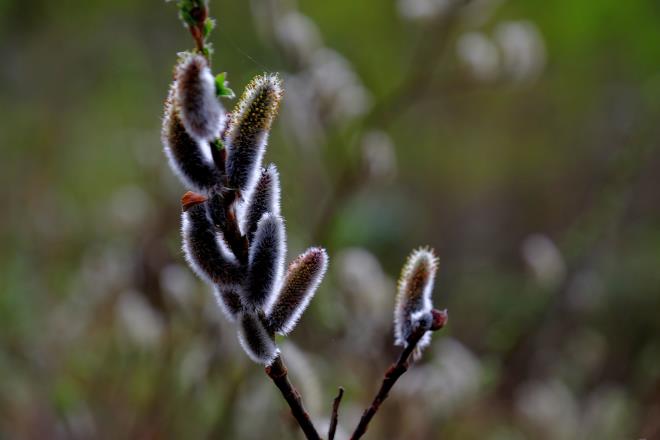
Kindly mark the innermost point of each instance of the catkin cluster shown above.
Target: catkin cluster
(233, 233)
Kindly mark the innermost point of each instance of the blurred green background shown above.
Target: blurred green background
(518, 138)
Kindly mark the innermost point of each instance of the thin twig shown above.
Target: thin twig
(335, 414)
(278, 373)
(391, 376)
(396, 370)
(200, 14)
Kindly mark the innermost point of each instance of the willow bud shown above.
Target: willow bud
(413, 302)
(265, 197)
(255, 339)
(229, 300)
(185, 155)
(202, 245)
(201, 111)
(303, 277)
(248, 130)
(265, 261)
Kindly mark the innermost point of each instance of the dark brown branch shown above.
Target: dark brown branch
(335, 414)
(278, 373)
(396, 370)
(199, 13)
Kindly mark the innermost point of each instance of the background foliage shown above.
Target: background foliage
(517, 138)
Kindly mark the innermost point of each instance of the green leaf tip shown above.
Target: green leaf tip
(207, 51)
(222, 87)
(218, 144)
(190, 10)
(209, 25)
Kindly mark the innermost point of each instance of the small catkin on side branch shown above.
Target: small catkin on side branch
(413, 301)
(414, 320)
(437, 320)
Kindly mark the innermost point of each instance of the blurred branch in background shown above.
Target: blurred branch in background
(299, 41)
(597, 229)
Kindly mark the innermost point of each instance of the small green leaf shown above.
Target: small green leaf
(187, 9)
(207, 51)
(209, 25)
(222, 89)
(186, 17)
(184, 11)
(218, 144)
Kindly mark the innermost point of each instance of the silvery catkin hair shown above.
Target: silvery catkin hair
(265, 198)
(266, 261)
(257, 342)
(229, 300)
(202, 247)
(302, 278)
(413, 302)
(183, 151)
(248, 130)
(201, 111)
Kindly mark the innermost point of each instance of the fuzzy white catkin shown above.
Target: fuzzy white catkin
(186, 157)
(202, 249)
(265, 197)
(421, 318)
(201, 111)
(265, 262)
(302, 279)
(248, 130)
(255, 340)
(414, 293)
(229, 300)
